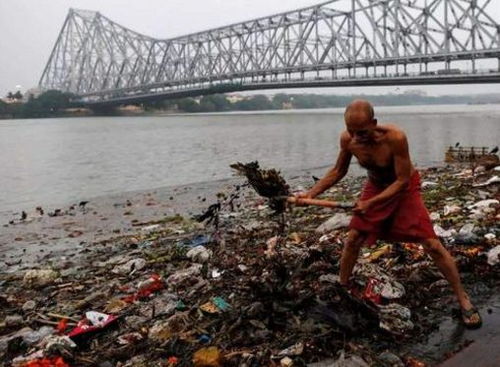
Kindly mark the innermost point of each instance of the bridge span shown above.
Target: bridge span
(333, 44)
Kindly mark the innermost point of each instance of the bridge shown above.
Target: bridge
(332, 44)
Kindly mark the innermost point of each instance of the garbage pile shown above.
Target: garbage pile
(244, 293)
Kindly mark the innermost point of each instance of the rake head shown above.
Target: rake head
(267, 183)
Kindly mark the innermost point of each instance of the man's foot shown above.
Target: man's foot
(471, 318)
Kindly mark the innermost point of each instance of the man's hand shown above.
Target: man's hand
(362, 206)
(302, 195)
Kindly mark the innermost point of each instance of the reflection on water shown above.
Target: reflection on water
(60, 160)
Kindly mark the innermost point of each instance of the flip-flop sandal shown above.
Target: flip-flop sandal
(468, 314)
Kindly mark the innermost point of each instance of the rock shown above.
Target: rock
(134, 264)
(29, 306)
(39, 277)
(490, 236)
(6, 339)
(444, 233)
(31, 337)
(339, 220)
(390, 359)
(466, 239)
(466, 236)
(199, 254)
(13, 320)
(286, 362)
(242, 267)
(494, 255)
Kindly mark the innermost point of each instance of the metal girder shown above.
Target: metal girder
(96, 58)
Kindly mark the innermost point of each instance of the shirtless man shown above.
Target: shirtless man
(391, 206)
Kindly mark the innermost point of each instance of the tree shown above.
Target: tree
(163, 104)
(3, 108)
(215, 102)
(49, 103)
(258, 102)
(17, 96)
(53, 101)
(280, 99)
(188, 105)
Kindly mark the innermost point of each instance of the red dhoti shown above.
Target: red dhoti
(401, 218)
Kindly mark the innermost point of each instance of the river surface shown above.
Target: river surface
(61, 160)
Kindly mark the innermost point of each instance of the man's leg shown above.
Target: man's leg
(446, 264)
(350, 254)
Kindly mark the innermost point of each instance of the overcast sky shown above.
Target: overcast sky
(29, 28)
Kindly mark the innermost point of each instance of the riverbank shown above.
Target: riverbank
(55, 104)
(251, 304)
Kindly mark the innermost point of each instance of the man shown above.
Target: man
(390, 206)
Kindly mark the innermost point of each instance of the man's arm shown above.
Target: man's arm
(335, 174)
(402, 166)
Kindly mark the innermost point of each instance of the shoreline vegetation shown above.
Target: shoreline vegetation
(55, 103)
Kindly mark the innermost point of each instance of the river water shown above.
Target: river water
(63, 160)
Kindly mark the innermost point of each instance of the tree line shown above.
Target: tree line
(221, 103)
(55, 103)
(48, 104)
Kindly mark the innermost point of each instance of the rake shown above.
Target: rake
(271, 185)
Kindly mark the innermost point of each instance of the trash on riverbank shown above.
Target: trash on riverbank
(247, 290)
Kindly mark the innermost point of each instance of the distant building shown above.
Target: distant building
(234, 98)
(35, 92)
(10, 100)
(415, 92)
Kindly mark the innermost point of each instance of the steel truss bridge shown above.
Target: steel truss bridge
(335, 43)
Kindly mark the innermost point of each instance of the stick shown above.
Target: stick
(317, 202)
(59, 316)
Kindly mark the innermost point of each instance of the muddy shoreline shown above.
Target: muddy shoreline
(273, 300)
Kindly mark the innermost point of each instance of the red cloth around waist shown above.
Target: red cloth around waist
(402, 218)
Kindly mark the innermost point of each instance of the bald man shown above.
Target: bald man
(391, 206)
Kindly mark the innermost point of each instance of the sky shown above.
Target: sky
(29, 28)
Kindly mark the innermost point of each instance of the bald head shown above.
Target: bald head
(359, 108)
(359, 120)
